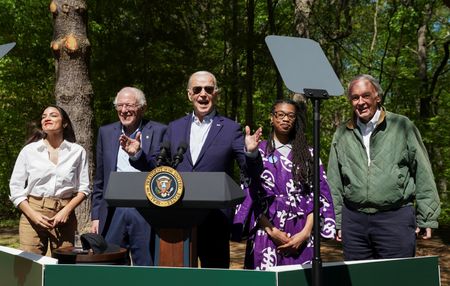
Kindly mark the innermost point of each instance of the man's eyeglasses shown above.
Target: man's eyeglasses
(208, 89)
(128, 106)
(280, 115)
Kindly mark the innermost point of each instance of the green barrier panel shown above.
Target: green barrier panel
(21, 268)
(26, 269)
(87, 275)
(418, 271)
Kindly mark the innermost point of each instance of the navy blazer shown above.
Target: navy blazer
(224, 143)
(106, 162)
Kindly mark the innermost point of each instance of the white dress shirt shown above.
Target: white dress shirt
(123, 163)
(366, 131)
(34, 174)
(284, 149)
(199, 132)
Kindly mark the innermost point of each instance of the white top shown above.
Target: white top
(123, 162)
(366, 131)
(284, 149)
(34, 174)
(199, 132)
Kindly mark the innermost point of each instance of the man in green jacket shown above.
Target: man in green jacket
(381, 180)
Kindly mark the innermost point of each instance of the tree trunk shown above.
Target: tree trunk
(427, 109)
(425, 99)
(302, 13)
(73, 90)
(273, 30)
(342, 29)
(234, 60)
(250, 62)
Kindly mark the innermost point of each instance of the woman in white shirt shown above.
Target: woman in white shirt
(50, 179)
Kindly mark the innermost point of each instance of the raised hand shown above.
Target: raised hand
(129, 145)
(252, 141)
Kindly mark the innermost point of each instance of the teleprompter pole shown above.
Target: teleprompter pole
(305, 69)
(316, 95)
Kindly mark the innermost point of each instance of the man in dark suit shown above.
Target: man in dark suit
(124, 226)
(214, 142)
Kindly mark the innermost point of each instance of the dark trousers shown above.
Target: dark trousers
(130, 230)
(213, 242)
(388, 234)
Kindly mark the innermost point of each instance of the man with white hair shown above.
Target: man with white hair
(213, 142)
(381, 180)
(124, 226)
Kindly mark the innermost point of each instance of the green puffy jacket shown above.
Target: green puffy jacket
(399, 173)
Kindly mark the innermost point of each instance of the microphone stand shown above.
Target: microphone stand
(178, 157)
(163, 158)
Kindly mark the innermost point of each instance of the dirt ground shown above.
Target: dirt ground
(331, 251)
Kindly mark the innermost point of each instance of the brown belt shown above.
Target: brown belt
(48, 203)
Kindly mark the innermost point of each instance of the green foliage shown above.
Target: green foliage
(26, 81)
(9, 233)
(156, 45)
(9, 223)
(444, 218)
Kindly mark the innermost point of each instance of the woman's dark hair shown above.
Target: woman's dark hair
(302, 163)
(35, 131)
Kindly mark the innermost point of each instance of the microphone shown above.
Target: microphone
(178, 158)
(164, 154)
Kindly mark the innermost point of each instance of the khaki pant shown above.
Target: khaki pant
(36, 239)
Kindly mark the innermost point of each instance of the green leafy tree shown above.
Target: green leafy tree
(156, 45)
(26, 81)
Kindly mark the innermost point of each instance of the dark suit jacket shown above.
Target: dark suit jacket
(106, 162)
(224, 143)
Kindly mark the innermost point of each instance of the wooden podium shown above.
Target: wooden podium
(175, 242)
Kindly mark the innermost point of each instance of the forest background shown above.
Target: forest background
(155, 45)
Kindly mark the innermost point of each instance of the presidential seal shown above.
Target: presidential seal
(163, 186)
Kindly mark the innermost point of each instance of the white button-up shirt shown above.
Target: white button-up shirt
(199, 132)
(123, 163)
(366, 132)
(34, 174)
(284, 149)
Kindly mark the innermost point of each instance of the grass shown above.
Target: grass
(9, 233)
(9, 223)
